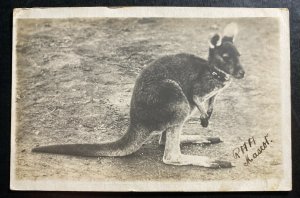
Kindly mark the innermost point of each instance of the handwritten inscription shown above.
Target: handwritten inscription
(244, 149)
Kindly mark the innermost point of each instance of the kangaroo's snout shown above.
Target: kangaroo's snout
(240, 74)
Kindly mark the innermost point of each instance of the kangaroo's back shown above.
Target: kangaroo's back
(183, 68)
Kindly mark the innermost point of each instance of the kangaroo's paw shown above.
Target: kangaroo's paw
(197, 139)
(204, 121)
(202, 161)
(209, 112)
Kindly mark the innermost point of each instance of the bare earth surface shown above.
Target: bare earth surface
(75, 79)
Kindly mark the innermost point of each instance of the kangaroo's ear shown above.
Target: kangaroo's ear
(230, 32)
(215, 41)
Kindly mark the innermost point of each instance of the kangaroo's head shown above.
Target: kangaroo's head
(223, 55)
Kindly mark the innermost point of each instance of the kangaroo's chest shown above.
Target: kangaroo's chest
(208, 86)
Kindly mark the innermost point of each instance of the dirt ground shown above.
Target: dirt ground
(75, 80)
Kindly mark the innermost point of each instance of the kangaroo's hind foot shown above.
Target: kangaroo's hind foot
(173, 155)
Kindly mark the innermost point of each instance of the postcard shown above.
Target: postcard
(151, 99)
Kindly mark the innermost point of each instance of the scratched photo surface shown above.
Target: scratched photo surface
(75, 78)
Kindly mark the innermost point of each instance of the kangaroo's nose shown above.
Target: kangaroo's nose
(241, 74)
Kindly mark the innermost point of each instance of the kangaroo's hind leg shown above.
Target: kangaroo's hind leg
(173, 110)
(173, 155)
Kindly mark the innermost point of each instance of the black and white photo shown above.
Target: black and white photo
(151, 99)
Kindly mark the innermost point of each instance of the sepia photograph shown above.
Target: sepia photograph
(151, 99)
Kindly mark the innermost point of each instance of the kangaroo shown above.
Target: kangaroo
(165, 94)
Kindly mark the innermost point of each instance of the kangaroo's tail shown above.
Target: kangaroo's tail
(132, 140)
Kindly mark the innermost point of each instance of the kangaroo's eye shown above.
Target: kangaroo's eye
(225, 55)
